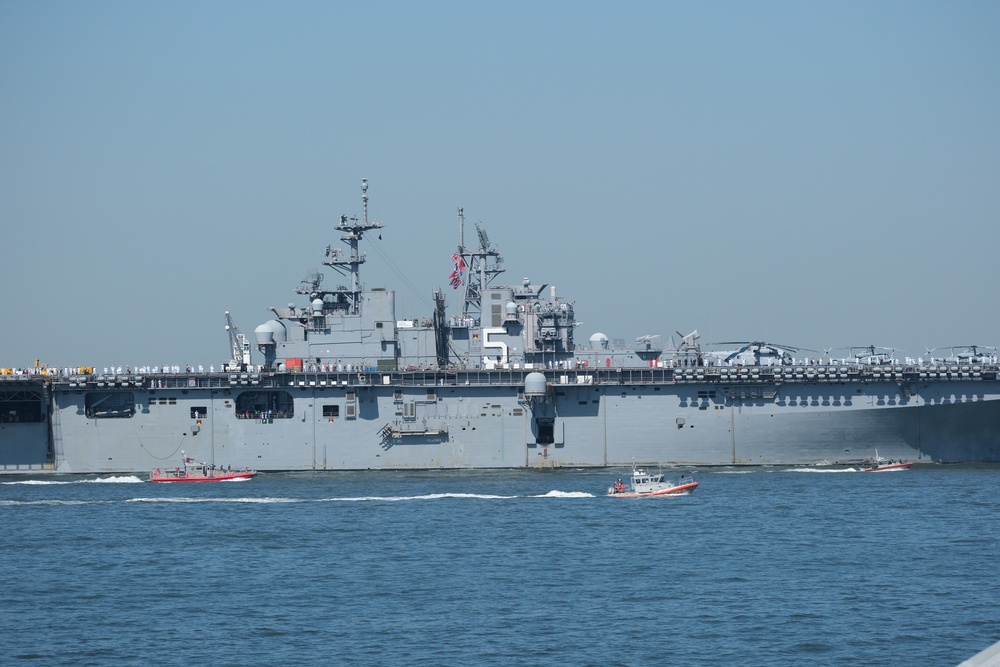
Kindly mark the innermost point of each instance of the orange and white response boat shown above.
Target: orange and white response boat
(879, 464)
(643, 484)
(199, 471)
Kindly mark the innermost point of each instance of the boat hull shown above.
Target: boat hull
(890, 467)
(680, 490)
(198, 478)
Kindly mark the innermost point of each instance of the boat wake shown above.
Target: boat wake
(473, 496)
(245, 500)
(126, 479)
(279, 500)
(565, 494)
(51, 502)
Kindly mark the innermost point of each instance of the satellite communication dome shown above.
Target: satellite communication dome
(534, 384)
(270, 332)
(598, 342)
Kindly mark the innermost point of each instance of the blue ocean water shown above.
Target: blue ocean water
(765, 566)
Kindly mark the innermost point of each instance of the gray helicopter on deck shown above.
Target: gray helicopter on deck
(968, 354)
(754, 353)
(870, 355)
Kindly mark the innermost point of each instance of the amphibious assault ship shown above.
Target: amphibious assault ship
(337, 382)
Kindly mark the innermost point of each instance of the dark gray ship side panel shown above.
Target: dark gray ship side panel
(24, 448)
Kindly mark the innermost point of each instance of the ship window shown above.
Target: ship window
(116, 404)
(264, 405)
(199, 413)
(430, 395)
(331, 410)
(21, 406)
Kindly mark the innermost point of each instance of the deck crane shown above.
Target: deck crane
(239, 345)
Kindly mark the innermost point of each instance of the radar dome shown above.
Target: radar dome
(598, 342)
(270, 332)
(534, 384)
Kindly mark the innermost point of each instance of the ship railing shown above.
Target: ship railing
(479, 377)
(579, 376)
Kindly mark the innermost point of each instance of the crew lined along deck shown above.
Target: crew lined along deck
(516, 377)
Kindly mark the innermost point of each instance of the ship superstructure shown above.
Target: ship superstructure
(339, 382)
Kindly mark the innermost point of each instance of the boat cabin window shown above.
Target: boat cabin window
(331, 410)
(199, 413)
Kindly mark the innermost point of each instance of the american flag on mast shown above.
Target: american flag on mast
(458, 275)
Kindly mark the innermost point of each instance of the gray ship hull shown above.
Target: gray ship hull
(486, 420)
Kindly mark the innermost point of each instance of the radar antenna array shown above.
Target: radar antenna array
(484, 239)
(311, 283)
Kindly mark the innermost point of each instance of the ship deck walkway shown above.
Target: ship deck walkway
(515, 377)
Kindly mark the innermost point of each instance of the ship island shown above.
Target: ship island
(337, 382)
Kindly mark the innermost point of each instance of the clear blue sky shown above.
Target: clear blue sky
(816, 174)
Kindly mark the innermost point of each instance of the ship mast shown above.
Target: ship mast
(350, 264)
(485, 264)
